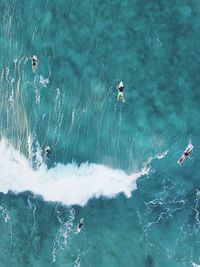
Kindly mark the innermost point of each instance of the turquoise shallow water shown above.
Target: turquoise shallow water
(84, 49)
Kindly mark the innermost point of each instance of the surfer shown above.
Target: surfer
(120, 89)
(47, 151)
(34, 63)
(186, 153)
(80, 225)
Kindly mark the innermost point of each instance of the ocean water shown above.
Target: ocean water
(112, 163)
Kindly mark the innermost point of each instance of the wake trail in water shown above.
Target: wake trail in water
(61, 240)
(70, 184)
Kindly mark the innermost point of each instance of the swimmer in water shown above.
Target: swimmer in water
(120, 89)
(34, 63)
(80, 225)
(186, 153)
(47, 151)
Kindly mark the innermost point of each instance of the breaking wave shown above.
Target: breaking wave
(69, 184)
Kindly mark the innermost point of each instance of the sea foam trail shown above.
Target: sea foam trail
(70, 184)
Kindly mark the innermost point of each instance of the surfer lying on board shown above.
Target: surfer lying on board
(80, 225)
(186, 153)
(120, 89)
(47, 151)
(34, 63)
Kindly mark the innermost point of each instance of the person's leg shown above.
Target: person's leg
(118, 96)
(122, 96)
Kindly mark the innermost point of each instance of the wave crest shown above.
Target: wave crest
(70, 184)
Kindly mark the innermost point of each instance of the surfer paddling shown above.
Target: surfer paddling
(34, 63)
(186, 153)
(47, 151)
(79, 226)
(120, 88)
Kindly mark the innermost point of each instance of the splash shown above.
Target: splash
(69, 184)
(158, 156)
(43, 81)
(195, 265)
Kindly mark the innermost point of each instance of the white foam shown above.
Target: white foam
(69, 183)
(195, 265)
(44, 81)
(163, 155)
(158, 156)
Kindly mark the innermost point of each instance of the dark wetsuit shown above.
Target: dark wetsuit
(186, 153)
(34, 62)
(48, 153)
(80, 225)
(121, 88)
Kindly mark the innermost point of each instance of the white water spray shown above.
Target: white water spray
(70, 184)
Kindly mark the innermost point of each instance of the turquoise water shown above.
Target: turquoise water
(100, 147)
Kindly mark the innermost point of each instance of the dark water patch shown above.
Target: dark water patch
(149, 261)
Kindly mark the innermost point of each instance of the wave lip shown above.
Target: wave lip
(69, 184)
